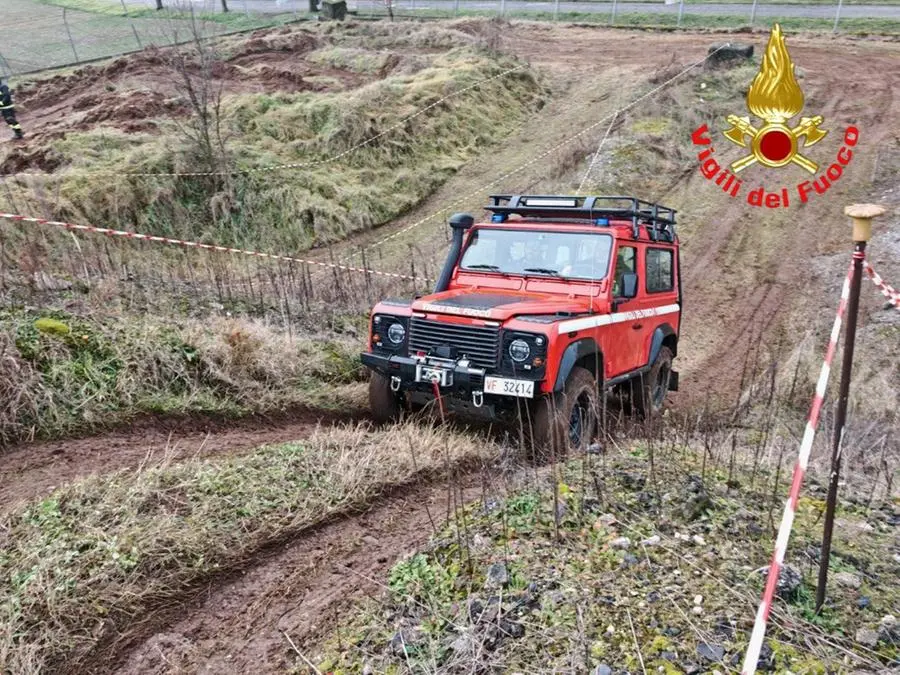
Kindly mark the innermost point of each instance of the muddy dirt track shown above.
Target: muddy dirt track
(34, 469)
(238, 623)
(298, 590)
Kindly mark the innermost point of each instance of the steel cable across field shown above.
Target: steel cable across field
(280, 167)
(199, 245)
(784, 531)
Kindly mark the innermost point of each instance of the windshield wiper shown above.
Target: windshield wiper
(542, 270)
(482, 266)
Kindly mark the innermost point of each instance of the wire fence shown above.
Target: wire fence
(51, 35)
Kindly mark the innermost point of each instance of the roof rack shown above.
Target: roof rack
(660, 220)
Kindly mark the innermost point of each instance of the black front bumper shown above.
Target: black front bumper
(465, 380)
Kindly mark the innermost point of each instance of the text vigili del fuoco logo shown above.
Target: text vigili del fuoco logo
(775, 98)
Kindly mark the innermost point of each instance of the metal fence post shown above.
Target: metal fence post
(861, 215)
(456, 7)
(133, 29)
(753, 13)
(837, 16)
(502, 7)
(69, 33)
(680, 11)
(612, 18)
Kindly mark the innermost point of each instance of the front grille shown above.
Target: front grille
(479, 343)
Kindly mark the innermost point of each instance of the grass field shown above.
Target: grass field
(41, 38)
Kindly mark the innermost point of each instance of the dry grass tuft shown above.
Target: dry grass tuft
(77, 566)
(102, 370)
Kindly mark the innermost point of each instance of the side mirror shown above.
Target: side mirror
(629, 285)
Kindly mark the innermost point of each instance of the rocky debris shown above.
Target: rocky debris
(698, 540)
(464, 645)
(867, 637)
(605, 520)
(864, 602)
(651, 541)
(630, 560)
(848, 580)
(729, 54)
(789, 580)
(711, 653)
(888, 630)
(602, 669)
(698, 599)
(698, 501)
(512, 629)
(622, 543)
(595, 449)
(404, 639)
(497, 575)
(631, 481)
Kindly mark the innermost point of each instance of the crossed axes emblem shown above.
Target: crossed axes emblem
(808, 128)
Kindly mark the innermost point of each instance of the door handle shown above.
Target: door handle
(637, 326)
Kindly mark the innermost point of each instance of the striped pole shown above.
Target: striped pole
(196, 244)
(787, 520)
(861, 215)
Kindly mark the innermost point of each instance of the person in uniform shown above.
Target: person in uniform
(8, 110)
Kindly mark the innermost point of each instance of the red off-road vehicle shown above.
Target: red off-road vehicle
(537, 314)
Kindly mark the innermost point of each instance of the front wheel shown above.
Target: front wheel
(648, 392)
(386, 405)
(566, 420)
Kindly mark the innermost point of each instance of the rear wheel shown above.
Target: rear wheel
(648, 392)
(386, 405)
(566, 420)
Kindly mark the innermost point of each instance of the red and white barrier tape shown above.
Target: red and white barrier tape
(887, 290)
(196, 244)
(787, 520)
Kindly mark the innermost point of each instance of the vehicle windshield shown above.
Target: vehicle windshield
(568, 255)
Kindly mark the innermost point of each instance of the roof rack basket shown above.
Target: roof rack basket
(659, 220)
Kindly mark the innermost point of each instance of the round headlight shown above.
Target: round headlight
(396, 333)
(519, 350)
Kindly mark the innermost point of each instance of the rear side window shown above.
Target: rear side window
(659, 270)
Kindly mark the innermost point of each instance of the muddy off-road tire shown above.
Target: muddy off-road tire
(566, 421)
(386, 405)
(648, 393)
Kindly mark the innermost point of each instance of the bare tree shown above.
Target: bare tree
(159, 4)
(197, 66)
(224, 5)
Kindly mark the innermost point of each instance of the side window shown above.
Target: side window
(659, 270)
(626, 258)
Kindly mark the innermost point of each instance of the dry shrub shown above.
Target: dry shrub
(80, 564)
(19, 389)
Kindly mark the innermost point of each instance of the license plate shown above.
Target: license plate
(507, 387)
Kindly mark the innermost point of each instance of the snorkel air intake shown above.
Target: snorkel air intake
(459, 223)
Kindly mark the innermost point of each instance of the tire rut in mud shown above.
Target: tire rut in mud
(299, 589)
(32, 470)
